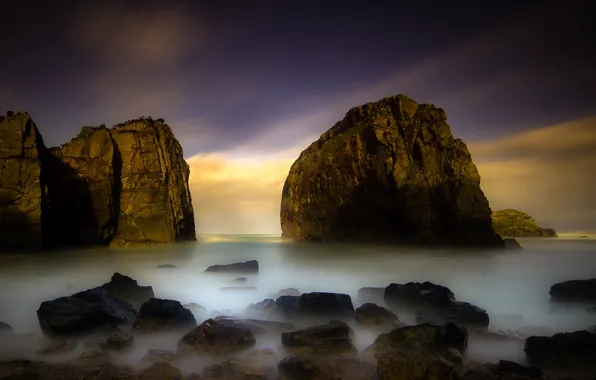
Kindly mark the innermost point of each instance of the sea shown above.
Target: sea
(513, 286)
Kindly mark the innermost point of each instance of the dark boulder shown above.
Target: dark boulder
(159, 356)
(287, 292)
(160, 371)
(418, 296)
(234, 369)
(462, 313)
(265, 309)
(83, 312)
(119, 340)
(311, 368)
(414, 365)
(127, 289)
(332, 338)
(217, 339)
(317, 305)
(251, 266)
(371, 314)
(164, 315)
(257, 326)
(507, 368)
(581, 291)
(562, 351)
(389, 171)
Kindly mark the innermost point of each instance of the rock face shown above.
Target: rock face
(123, 186)
(580, 291)
(389, 171)
(164, 315)
(514, 223)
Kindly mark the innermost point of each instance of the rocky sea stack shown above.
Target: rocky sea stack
(514, 223)
(389, 171)
(123, 186)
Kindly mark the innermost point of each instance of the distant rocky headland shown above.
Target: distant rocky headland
(389, 171)
(123, 186)
(514, 223)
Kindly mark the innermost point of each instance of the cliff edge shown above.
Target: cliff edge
(389, 171)
(123, 186)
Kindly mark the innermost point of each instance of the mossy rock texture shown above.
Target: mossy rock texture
(514, 223)
(389, 171)
(124, 186)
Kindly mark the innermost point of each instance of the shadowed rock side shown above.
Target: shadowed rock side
(514, 223)
(122, 186)
(20, 183)
(389, 171)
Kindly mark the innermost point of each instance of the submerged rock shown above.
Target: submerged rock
(164, 315)
(251, 266)
(257, 326)
(574, 291)
(311, 368)
(332, 338)
(159, 356)
(462, 313)
(575, 350)
(215, 338)
(317, 305)
(119, 340)
(239, 369)
(514, 223)
(160, 371)
(389, 171)
(371, 314)
(83, 312)
(123, 186)
(127, 289)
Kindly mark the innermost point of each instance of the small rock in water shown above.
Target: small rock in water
(371, 314)
(251, 266)
(127, 289)
(214, 338)
(581, 291)
(574, 350)
(239, 280)
(287, 292)
(167, 266)
(119, 340)
(158, 356)
(56, 348)
(164, 315)
(160, 371)
(511, 368)
(332, 338)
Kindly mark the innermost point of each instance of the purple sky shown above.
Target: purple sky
(228, 73)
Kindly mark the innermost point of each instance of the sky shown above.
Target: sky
(247, 85)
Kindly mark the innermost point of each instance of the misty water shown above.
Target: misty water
(512, 286)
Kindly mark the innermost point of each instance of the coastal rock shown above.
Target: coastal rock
(317, 305)
(216, 339)
(575, 350)
(257, 326)
(418, 296)
(123, 186)
(462, 313)
(164, 315)
(158, 356)
(83, 312)
(371, 314)
(332, 338)
(119, 340)
(251, 266)
(310, 368)
(200, 312)
(21, 184)
(238, 369)
(128, 290)
(389, 171)
(582, 291)
(504, 370)
(514, 223)
(160, 371)
(413, 365)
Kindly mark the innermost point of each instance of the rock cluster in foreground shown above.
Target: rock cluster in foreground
(389, 171)
(514, 223)
(123, 186)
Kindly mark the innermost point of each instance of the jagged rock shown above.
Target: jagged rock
(317, 305)
(371, 314)
(309, 368)
(251, 266)
(514, 223)
(126, 289)
(215, 338)
(573, 350)
(164, 315)
(583, 291)
(160, 371)
(462, 313)
(5, 328)
(389, 171)
(287, 292)
(21, 184)
(159, 356)
(83, 312)
(122, 186)
(371, 295)
(332, 338)
(257, 326)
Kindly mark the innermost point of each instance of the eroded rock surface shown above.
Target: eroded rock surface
(389, 171)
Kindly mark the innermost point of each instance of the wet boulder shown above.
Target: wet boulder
(251, 266)
(216, 339)
(119, 341)
(371, 314)
(572, 350)
(509, 369)
(257, 326)
(84, 312)
(266, 309)
(128, 290)
(160, 371)
(239, 370)
(310, 368)
(462, 313)
(414, 365)
(574, 291)
(164, 315)
(317, 305)
(418, 296)
(159, 356)
(287, 292)
(332, 338)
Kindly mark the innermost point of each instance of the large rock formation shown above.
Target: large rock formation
(123, 186)
(389, 171)
(514, 223)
